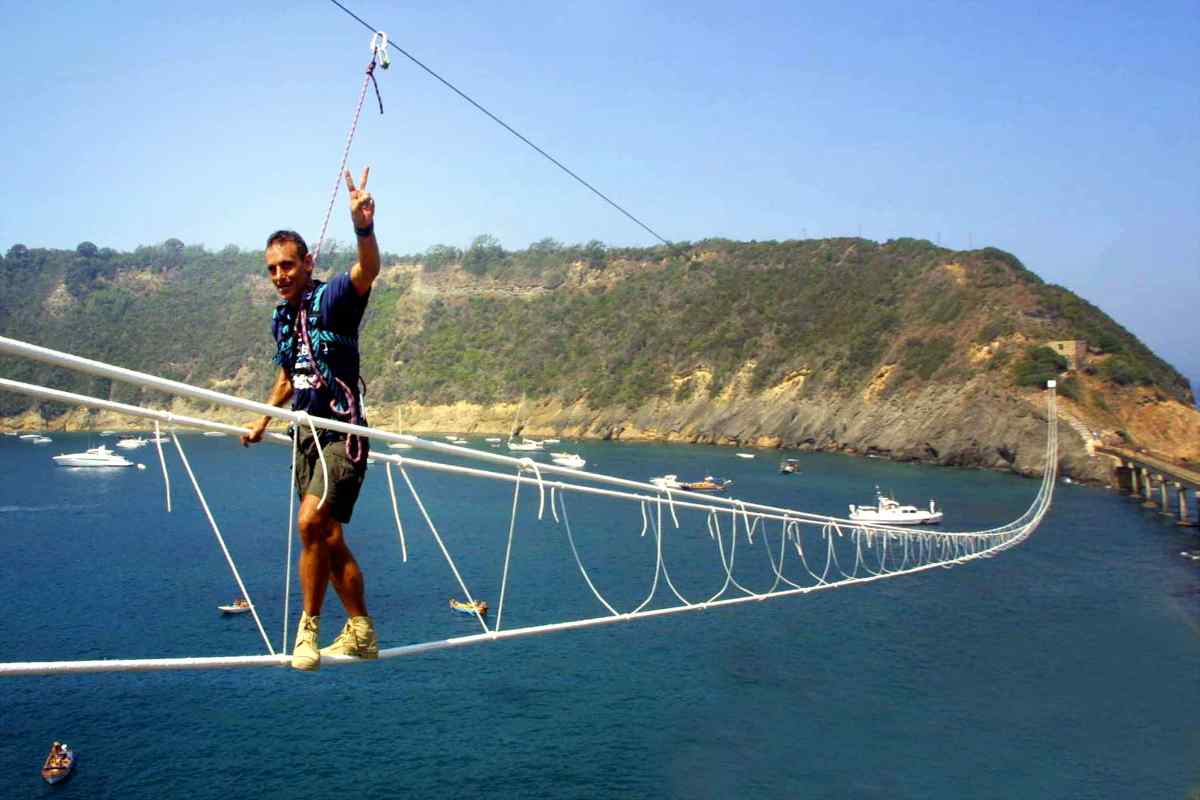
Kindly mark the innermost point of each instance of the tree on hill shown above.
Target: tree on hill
(1038, 365)
(484, 255)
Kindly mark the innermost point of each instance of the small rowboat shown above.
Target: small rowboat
(478, 607)
(236, 607)
(59, 763)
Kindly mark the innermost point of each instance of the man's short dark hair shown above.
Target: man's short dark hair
(289, 236)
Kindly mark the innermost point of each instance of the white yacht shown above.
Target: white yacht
(667, 482)
(40, 440)
(572, 460)
(95, 457)
(525, 445)
(887, 511)
(132, 443)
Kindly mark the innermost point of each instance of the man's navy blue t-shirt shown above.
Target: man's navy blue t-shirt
(340, 312)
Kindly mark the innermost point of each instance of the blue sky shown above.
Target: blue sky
(1066, 133)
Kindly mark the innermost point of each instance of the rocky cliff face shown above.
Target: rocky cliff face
(902, 350)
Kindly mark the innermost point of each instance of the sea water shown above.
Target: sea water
(1064, 668)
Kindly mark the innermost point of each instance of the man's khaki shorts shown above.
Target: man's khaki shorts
(345, 478)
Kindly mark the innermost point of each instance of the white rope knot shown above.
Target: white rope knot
(162, 460)
(396, 510)
(671, 506)
(304, 417)
(528, 463)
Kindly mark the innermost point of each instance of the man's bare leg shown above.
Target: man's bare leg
(344, 574)
(325, 558)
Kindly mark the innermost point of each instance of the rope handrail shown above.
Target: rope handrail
(90, 366)
(865, 550)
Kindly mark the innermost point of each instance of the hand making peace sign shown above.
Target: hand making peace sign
(362, 205)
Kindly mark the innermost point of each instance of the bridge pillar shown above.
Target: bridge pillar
(1148, 490)
(1186, 519)
(1164, 506)
(1124, 479)
(1134, 490)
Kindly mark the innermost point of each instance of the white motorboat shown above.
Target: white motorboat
(40, 440)
(525, 445)
(493, 440)
(29, 436)
(745, 455)
(667, 482)
(108, 433)
(572, 460)
(132, 443)
(887, 511)
(95, 457)
(238, 606)
(551, 441)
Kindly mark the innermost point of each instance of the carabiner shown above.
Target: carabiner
(379, 48)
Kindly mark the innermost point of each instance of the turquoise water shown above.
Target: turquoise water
(1065, 668)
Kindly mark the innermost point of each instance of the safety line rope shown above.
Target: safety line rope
(507, 127)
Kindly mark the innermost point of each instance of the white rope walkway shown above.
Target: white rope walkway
(870, 553)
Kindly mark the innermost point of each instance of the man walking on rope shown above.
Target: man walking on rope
(316, 347)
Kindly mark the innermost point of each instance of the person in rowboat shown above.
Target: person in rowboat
(316, 339)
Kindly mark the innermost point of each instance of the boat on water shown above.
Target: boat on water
(59, 763)
(745, 455)
(525, 445)
(239, 606)
(108, 433)
(40, 440)
(789, 466)
(213, 433)
(572, 460)
(132, 443)
(887, 511)
(709, 484)
(94, 457)
(478, 607)
(551, 441)
(493, 440)
(28, 436)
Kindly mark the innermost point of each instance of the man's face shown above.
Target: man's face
(288, 271)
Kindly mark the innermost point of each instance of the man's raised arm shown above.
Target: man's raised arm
(362, 211)
(281, 392)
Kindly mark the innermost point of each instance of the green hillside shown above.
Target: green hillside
(612, 327)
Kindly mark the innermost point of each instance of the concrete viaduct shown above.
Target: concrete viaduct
(1152, 482)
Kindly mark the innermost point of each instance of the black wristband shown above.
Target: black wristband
(367, 231)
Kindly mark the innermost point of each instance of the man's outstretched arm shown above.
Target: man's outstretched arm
(362, 212)
(281, 392)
